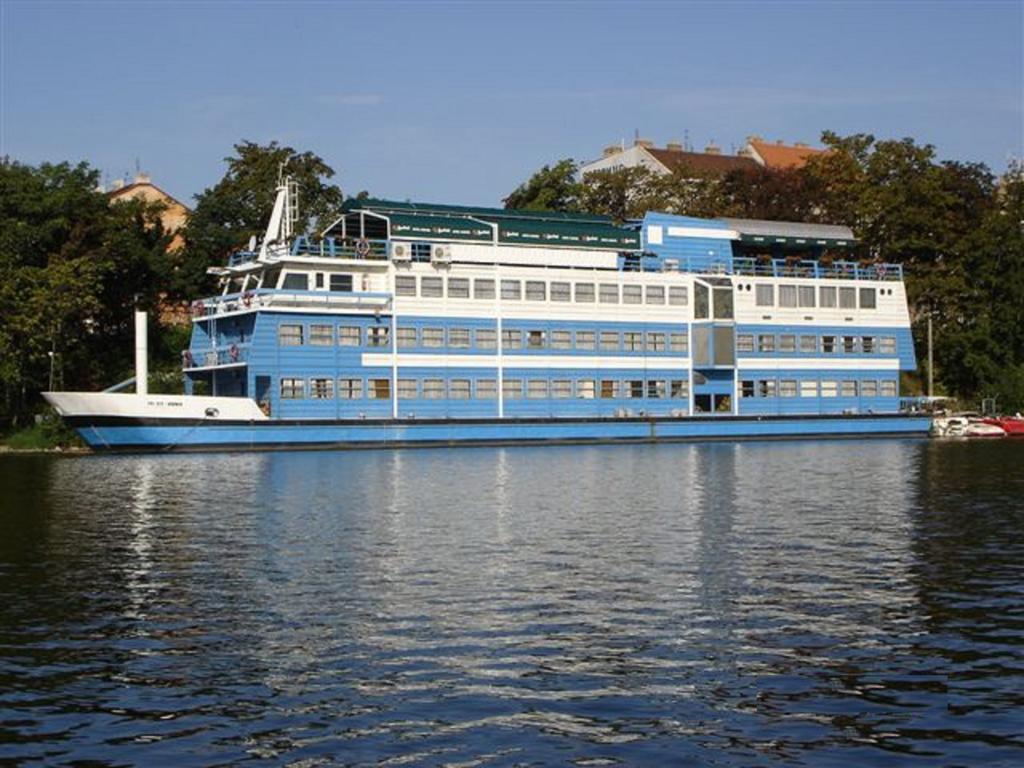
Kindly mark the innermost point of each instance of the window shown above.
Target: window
(584, 339)
(868, 298)
(293, 389)
(458, 337)
(378, 336)
(806, 295)
(289, 335)
(511, 339)
(560, 292)
(433, 389)
(867, 344)
(888, 388)
(829, 389)
(321, 335)
(847, 298)
(632, 294)
(655, 341)
(744, 342)
(350, 335)
(787, 342)
(585, 293)
(343, 284)
(537, 389)
(296, 281)
(887, 345)
(701, 301)
(536, 290)
(633, 342)
(561, 340)
(678, 342)
(407, 389)
(746, 388)
(458, 389)
(585, 389)
(828, 344)
(561, 388)
(486, 389)
(678, 295)
(321, 389)
(486, 338)
(827, 297)
(848, 388)
(787, 388)
(849, 345)
(350, 389)
(420, 251)
(809, 344)
(610, 341)
(536, 340)
(432, 287)
(766, 388)
(609, 293)
(634, 389)
(655, 294)
(808, 388)
(405, 285)
(869, 388)
(723, 304)
(766, 342)
(432, 337)
(656, 389)
(609, 389)
(787, 296)
(379, 389)
(511, 290)
(483, 289)
(765, 295)
(406, 337)
(680, 389)
(319, 280)
(458, 288)
(512, 389)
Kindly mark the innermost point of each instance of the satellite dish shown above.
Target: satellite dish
(252, 243)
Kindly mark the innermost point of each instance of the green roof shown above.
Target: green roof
(457, 228)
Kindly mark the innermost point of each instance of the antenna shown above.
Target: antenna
(686, 140)
(138, 167)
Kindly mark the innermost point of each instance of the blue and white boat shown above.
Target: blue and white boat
(414, 324)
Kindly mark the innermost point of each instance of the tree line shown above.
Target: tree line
(73, 266)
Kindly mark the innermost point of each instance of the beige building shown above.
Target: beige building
(175, 213)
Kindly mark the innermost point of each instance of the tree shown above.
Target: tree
(552, 188)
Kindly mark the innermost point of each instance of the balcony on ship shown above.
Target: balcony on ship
(812, 268)
(214, 358)
(278, 298)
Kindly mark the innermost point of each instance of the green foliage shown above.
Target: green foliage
(552, 188)
(46, 434)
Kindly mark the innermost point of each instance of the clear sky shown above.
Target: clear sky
(459, 102)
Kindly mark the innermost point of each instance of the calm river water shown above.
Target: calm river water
(796, 603)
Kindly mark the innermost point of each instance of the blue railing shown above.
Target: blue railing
(841, 270)
(262, 297)
(232, 354)
(360, 249)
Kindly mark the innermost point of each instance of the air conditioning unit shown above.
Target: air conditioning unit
(401, 252)
(441, 254)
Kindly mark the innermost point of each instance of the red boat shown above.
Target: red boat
(1013, 426)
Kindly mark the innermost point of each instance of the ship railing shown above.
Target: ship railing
(358, 249)
(232, 354)
(809, 268)
(263, 298)
(239, 258)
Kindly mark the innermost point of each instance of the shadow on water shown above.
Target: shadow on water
(818, 603)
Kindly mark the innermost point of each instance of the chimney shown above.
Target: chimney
(116, 184)
(611, 150)
(802, 145)
(142, 178)
(674, 146)
(712, 149)
(779, 143)
(645, 143)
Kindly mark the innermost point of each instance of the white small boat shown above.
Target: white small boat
(964, 425)
(981, 429)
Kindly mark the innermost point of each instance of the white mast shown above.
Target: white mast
(282, 218)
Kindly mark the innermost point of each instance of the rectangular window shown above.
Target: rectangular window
(680, 389)
(343, 283)
(887, 345)
(828, 344)
(406, 336)
(536, 339)
(867, 344)
(296, 282)
(766, 388)
(610, 341)
(511, 290)
(656, 389)
(486, 389)
(610, 389)
(655, 341)
(585, 293)
(787, 296)
(536, 290)
(561, 340)
(319, 279)
(765, 295)
(632, 294)
(378, 336)
(350, 335)
(433, 389)
(560, 292)
(561, 388)
(585, 389)
(806, 295)
(408, 389)
(634, 389)
(848, 388)
(293, 389)
(746, 388)
(486, 338)
(321, 335)
(512, 389)
(633, 342)
(744, 342)
(609, 293)
(829, 388)
(701, 301)
(827, 297)
(584, 339)
(808, 344)
(847, 298)
(405, 285)
(787, 388)
(766, 342)
(678, 295)
(808, 388)
(537, 389)
(869, 388)
(458, 338)
(350, 389)
(867, 298)
(678, 342)
(849, 345)
(787, 342)
(379, 389)
(458, 288)
(511, 339)
(458, 389)
(655, 294)
(483, 289)
(432, 337)
(321, 389)
(723, 304)
(432, 287)
(888, 388)
(289, 335)
(420, 252)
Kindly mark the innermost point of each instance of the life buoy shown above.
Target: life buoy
(198, 309)
(186, 358)
(247, 299)
(363, 247)
(233, 353)
(880, 271)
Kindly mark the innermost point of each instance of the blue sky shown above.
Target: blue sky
(459, 102)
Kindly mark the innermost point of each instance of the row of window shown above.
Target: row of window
(809, 296)
(483, 389)
(805, 343)
(812, 388)
(539, 290)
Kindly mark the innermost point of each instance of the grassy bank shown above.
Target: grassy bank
(48, 433)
